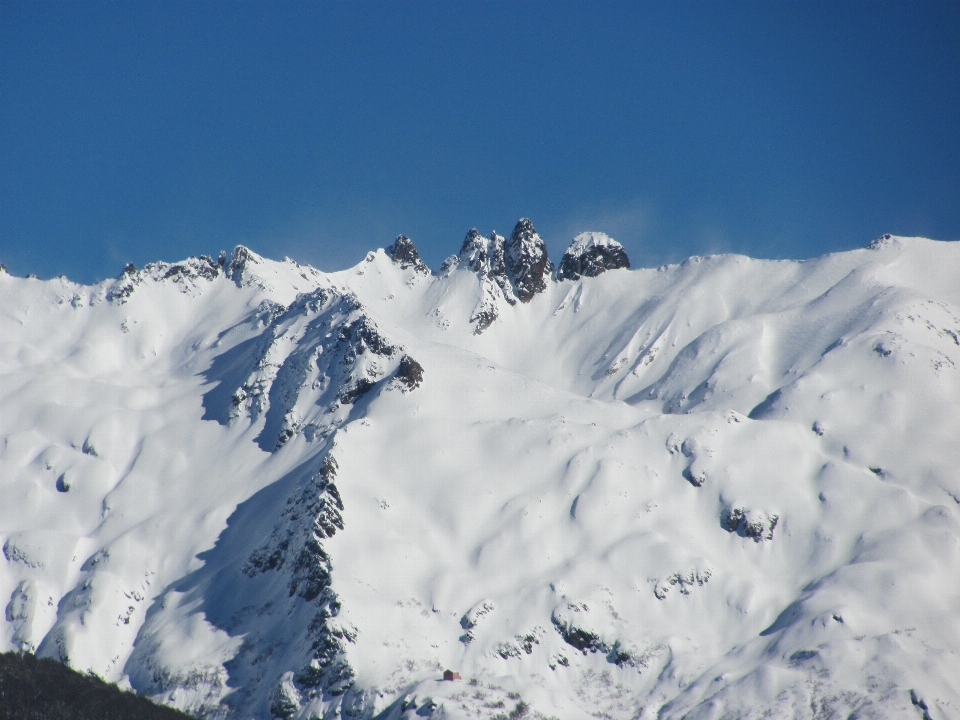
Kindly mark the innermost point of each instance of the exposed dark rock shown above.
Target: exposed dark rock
(240, 261)
(185, 274)
(591, 254)
(527, 641)
(474, 251)
(295, 551)
(754, 526)
(124, 286)
(283, 706)
(349, 395)
(202, 267)
(526, 260)
(920, 703)
(619, 657)
(486, 257)
(339, 355)
(448, 265)
(311, 571)
(695, 479)
(520, 710)
(507, 650)
(685, 582)
(880, 242)
(409, 373)
(404, 253)
(583, 640)
(483, 319)
(364, 335)
(474, 615)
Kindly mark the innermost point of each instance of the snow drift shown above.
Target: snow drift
(725, 488)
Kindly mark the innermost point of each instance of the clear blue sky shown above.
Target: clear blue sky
(137, 131)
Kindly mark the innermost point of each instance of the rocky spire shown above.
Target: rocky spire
(484, 256)
(526, 261)
(404, 253)
(473, 252)
(591, 253)
(239, 268)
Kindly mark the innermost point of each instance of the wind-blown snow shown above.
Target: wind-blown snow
(586, 240)
(725, 488)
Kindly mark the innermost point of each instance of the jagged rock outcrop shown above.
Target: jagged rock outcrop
(404, 253)
(572, 621)
(755, 525)
(527, 262)
(186, 275)
(240, 262)
(269, 580)
(311, 515)
(409, 374)
(316, 359)
(684, 581)
(485, 256)
(590, 254)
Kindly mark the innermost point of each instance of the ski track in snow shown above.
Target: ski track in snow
(728, 488)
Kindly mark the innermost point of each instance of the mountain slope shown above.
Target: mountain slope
(725, 488)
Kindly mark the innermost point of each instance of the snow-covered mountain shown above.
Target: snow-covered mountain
(728, 488)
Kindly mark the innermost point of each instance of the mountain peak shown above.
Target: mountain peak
(404, 253)
(527, 261)
(590, 254)
(240, 262)
(484, 255)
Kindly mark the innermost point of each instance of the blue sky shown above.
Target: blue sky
(138, 131)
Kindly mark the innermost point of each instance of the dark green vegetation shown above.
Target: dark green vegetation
(32, 689)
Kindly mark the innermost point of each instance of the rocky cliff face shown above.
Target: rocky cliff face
(509, 270)
(314, 362)
(527, 262)
(589, 255)
(485, 257)
(404, 253)
(185, 275)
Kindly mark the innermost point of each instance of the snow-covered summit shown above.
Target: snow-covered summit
(584, 241)
(404, 253)
(727, 487)
(591, 253)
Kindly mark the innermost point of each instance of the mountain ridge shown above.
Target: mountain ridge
(250, 488)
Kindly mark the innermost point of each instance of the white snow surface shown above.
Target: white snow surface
(585, 240)
(728, 488)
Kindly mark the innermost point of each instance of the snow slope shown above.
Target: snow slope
(725, 488)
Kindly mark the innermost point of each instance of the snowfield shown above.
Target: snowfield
(728, 488)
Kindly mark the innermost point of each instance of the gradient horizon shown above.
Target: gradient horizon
(133, 132)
